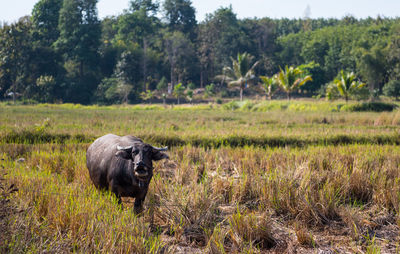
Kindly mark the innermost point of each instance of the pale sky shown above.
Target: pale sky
(11, 10)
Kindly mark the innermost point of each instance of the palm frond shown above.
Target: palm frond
(223, 78)
(341, 88)
(235, 82)
(305, 80)
(266, 80)
(236, 69)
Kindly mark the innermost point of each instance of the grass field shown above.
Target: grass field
(293, 177)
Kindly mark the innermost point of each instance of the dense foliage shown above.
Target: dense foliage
(118, 58)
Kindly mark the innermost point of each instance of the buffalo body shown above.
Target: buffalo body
(123, 165)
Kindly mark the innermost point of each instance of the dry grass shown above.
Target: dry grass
(342, 198)
(227, 199)
(7, 209)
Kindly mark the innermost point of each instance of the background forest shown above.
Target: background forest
(64, 53)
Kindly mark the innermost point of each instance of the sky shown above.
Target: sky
(11, 10)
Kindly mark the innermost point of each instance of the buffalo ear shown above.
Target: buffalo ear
(123, 154)
(157, 155)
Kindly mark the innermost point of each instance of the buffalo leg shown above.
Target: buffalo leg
(114, 190)
(138, 206)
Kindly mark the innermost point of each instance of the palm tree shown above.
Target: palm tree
(346, 84)
(179, 90)
(270, 85)
(189, 95)
(240, 73)
(291, 79)
(147, 96)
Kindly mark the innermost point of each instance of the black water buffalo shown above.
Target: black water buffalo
(123, 165)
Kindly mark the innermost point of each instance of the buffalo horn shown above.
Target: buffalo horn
(126, 148)
(161, 149)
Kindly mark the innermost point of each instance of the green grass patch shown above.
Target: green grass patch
(40, 137)
(370, 107)
(34, 137)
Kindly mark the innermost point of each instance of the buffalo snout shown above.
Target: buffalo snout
(141, 170)
(140, 165)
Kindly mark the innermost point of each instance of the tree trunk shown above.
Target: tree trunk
(81, 69)
(179, 78)
(201, 79)
(14, 95)
(171, 59)
(144, 64)
(241, 93)
(178, 100)
(172, 78)
(288, 96)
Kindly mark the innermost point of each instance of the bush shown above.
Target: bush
(191, 86)
(301, 107)
(361, 94)
(224, 94)
(392, 89)
(369, 106)
(232, 105)
(210, 90)
(28, 102)
(106, 92)
(246, 105)
(162, 84)
(331, 91)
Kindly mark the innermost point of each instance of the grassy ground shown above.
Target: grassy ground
(283, 180)
(198, 124)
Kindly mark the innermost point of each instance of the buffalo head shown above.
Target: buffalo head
(142, 156)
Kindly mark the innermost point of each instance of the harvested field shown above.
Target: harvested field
(261, 182)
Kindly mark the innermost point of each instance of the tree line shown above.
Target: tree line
(63, 52)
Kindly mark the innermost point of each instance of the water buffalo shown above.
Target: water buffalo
(123, 165)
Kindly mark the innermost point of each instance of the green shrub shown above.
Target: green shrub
(210, 90)
(331, 91)
(232, 105)
(392, 89)
(369, 106)
(224, 94)
(266, 106)
(23, 102)
(301, 107)
(361, 94)
(191, 86)
(246, 105)
(162, 84)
